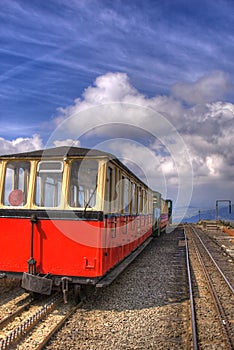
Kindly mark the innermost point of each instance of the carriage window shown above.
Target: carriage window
(122, 184)
(133, 195)
(49, 183)
(140, 200)
(83, 183)
(144, 210)
(16, 183)
(109, 190)
(126, 196)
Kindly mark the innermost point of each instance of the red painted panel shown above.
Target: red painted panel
(69, 247)
(164, 220)
(58, 249)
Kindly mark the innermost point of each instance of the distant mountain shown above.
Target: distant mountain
(193, 214)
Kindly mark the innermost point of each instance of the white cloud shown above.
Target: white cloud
(67, 142)
(205, 124)
(20, 144)
(157, 136)
(111, 87)
(214, 164)
(208, 88)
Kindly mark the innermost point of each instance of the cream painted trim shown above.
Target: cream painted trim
(2, 171)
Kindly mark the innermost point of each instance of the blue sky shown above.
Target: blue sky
(174, 56)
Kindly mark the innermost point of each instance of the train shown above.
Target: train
(72, 217)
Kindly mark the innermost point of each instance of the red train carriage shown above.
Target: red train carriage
(69, 215)
(165, 214)
(162, 211)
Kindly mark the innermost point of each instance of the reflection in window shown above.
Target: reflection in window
(16, 183)
(83, 183)
(126, 195)
(49, 183)
(133, 198)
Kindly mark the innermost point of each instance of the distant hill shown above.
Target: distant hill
(210, 214)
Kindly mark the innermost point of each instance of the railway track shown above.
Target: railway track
(32, 324)
(178, 295)
(213, 291)
(225, 240)
(193, 323)
(13, 309)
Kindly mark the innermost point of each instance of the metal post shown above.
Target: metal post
(32, 261)
(223, 200)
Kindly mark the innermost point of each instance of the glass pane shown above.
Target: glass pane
(48, 185)
(50, 166)
(109, 195)
(126, 195)
(16, 183)
(83, 183)
(133, 205)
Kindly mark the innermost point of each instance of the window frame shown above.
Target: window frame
(41, 187)
(16, 182)
(77, 186)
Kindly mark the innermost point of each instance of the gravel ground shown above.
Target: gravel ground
(225, 241)
(8, 284)
(145, 308)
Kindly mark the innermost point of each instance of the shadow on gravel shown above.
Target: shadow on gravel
(156, 278)
(9, 289)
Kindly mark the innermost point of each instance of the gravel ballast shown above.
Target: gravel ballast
(145, 308)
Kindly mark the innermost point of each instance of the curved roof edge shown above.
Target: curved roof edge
(59, 152)
(67, 151)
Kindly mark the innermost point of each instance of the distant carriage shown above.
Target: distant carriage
(73, 215)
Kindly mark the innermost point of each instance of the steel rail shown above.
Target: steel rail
(220, 311)
(58, 326)
(24, 328)
(192, 307)
(216, 265)
(14, 314)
